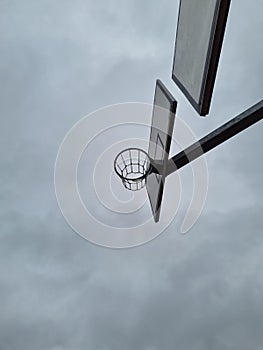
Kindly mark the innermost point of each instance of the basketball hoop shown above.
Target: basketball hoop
(132, 165)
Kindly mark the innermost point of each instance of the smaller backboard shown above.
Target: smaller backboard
(163, 117)
(199, 37)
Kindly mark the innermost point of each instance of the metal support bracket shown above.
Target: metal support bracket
(241, 122)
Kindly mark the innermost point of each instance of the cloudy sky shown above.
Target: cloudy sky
(61, 60)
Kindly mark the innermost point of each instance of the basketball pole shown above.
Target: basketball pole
(233, 127)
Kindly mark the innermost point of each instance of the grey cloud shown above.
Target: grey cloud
(200, 292)
(60, 61)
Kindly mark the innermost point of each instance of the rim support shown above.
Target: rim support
(241, 122)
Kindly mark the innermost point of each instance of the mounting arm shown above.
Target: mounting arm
(244, 120)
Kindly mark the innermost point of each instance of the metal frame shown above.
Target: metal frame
(212, 59)
(243, 121)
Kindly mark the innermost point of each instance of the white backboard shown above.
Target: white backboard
(200, 31)
(163, 117)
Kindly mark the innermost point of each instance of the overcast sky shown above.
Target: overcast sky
(61, 60)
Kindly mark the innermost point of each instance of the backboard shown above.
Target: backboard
(163, 117)
(199, 37)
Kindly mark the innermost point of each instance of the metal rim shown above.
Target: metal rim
(138, 179)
